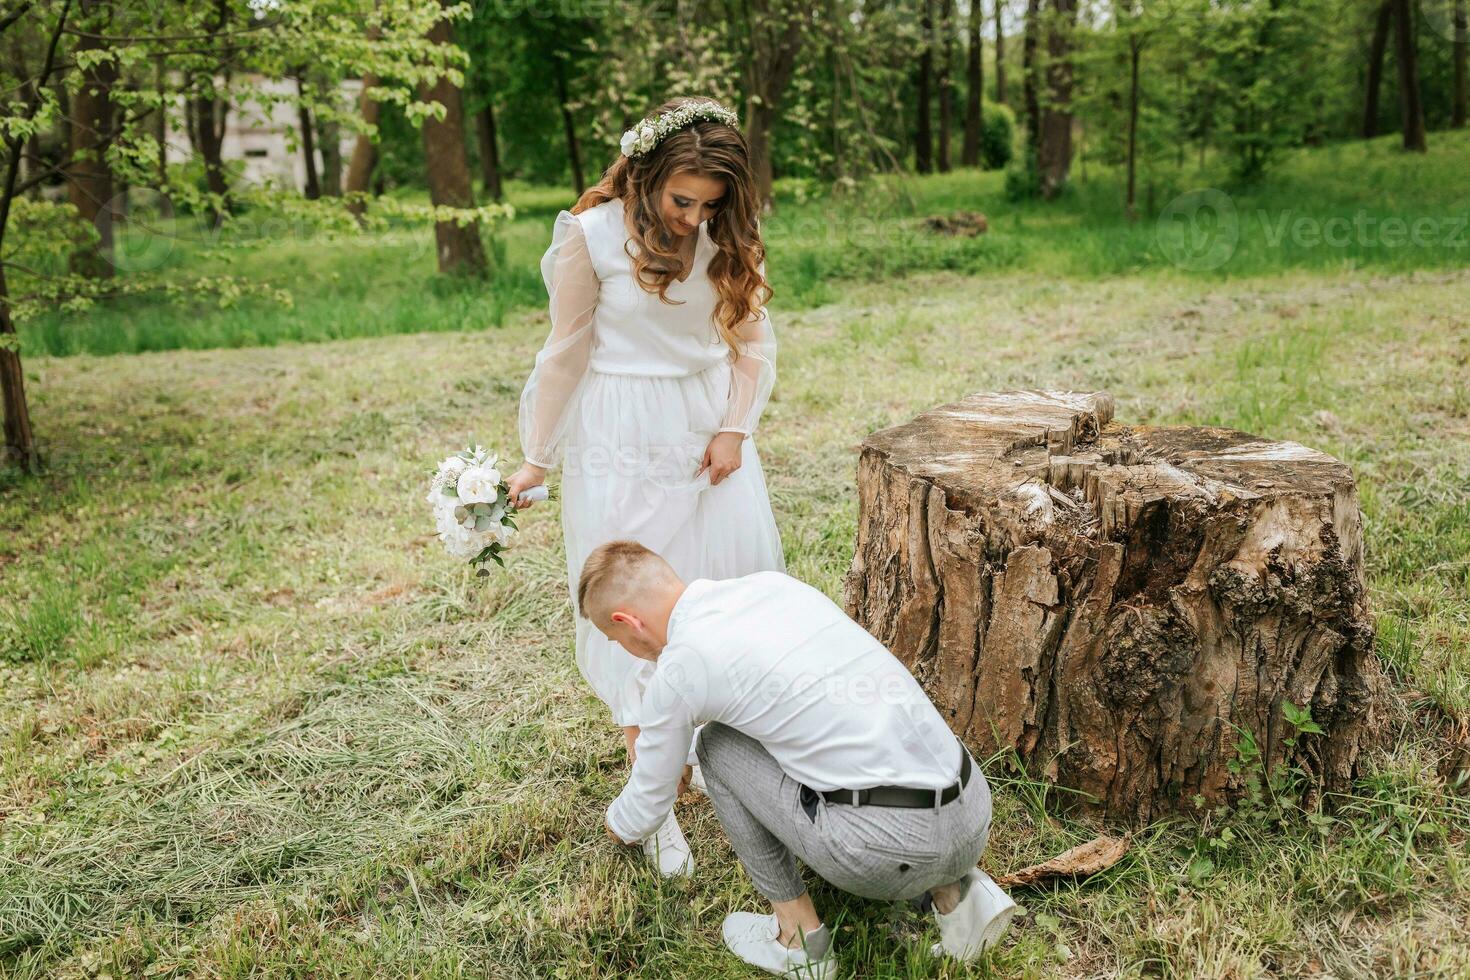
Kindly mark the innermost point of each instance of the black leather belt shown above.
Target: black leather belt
(906, 796)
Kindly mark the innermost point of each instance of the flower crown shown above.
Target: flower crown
(650, 132)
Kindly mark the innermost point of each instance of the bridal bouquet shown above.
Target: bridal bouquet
(471, 504)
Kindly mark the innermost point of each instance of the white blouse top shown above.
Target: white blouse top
(603, 320)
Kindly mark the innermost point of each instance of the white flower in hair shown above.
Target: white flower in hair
(650, 132)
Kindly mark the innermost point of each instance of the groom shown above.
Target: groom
(817, 744)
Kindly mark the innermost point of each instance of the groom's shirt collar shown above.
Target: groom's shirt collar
(688, 597)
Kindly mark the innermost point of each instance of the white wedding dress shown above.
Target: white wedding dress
(625, 395)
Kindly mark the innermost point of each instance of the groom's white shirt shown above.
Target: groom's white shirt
(776, 659)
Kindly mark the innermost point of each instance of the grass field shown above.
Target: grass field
(256, 724)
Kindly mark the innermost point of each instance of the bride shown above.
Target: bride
(659, 363)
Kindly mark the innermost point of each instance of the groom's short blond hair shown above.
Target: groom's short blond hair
(614, 572)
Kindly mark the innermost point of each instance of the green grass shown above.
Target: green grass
(1354, 206)
(256, 724)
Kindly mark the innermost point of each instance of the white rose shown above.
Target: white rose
(452, 467)
(629, 140)
(478, 485)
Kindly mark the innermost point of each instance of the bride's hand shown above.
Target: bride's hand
(528, 476)
(721, 456)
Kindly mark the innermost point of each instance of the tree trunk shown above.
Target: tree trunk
(329, 140)
(313, 189)
(1135, 50)
(1000, 53)
(974, 88)
(89, 174)
(1462, 48)
(946, 84)
(20, 441)
(364, 152)
(1376, 50)
(923, 135)
(776, 33)
(1411, 104)
(460, 249)
(1054, 143)
(1030, 88)
(1115, 604)
(160, 121)
(569, 131)
(489, 152)
(207, 129)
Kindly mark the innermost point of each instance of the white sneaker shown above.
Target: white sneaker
(696, 781)
(978, 922)
(668, 850)
(753, 938)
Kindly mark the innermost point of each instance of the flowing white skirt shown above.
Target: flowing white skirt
(631, 452)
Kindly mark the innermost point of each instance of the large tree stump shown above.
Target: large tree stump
(1113, 602)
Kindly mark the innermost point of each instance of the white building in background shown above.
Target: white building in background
(264, 136)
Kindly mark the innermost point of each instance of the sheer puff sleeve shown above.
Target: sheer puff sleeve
(753, 373)
(561, 365)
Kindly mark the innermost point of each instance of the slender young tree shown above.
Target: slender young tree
(1000, 53)
(1030, 85)
(946, 83)
(923, 135)
(313, 186)
(489, 150)
(1411, 103)
(1377, 47)
(974, 86)
(1462, 49)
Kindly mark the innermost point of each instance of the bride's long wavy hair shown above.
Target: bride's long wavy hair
(705, 149)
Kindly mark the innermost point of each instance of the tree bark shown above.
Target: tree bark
(1110, 602)
(20, 441)
(489, 152)
(923, 135)
(1030, 87)
(1411, 104)
(1000, 53)
(1462, 49)
(569, 131)
(207, 128)
(1376, 50)
(329, 140)
(974, 88)
(460, 249)
(776, 34)
(313, 189)
(364, 152)
(946, 84)
(1135, 52)
(89, 174)
(1054, 144)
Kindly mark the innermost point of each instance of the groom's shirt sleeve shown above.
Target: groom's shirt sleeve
(664, 735)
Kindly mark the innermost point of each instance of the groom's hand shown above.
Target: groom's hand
(721, 456)
(684, 780)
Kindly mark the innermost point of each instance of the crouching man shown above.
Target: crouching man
(816, 744)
